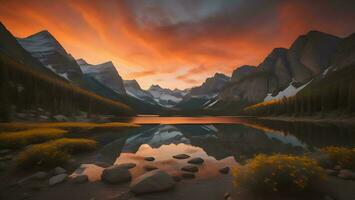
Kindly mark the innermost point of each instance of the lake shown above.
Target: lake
(220, 141)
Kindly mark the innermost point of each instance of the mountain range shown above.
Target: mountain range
(283, 73)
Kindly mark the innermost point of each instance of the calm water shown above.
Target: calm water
(220, 141)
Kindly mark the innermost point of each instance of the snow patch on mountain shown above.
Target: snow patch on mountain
(288, 92)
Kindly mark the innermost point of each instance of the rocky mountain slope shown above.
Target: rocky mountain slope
(309, 55)
(105, 73)
(45, 48)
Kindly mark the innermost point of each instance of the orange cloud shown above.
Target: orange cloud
(179, 43)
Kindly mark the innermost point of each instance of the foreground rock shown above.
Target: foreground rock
(40, 175)
(181, 156)
(196, 161)
(153, 181)
(57, 179)
(116, 174)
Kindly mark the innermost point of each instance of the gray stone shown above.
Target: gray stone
(346, 174)
(80, 179)
(338, 167)
(116, 174)
(190, 168)
(149, 158)
(196, 161)
(181, 156)
(59, 170)
(224, 170)
(153, 181)
(57, 179)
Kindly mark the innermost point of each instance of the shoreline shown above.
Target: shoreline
(347, 121)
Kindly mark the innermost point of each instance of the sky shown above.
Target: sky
(176, 43)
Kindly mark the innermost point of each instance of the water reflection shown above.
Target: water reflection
(220, 144)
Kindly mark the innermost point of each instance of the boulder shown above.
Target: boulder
(59, 170)
(80, 179)
(116, 174)
(196, 161)
(224, 170)
(190, 168)
(181, 156)
(149, 158)
(153, 181)
(346, 174)
(57, 179)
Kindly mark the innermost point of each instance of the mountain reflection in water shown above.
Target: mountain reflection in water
(220, 145)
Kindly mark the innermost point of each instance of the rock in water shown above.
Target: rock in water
(149, 158)
(181, 156)
(116, 174)
(224, 170)
(59, 170)
(153, 181)
(190, 168)
(196, 161)
(57, 179)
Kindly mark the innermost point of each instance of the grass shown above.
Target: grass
(345, 157)
(53, 153)
(18, 139)
(24, 125)
(278, 174)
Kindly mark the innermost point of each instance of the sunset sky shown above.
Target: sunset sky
(176, 43)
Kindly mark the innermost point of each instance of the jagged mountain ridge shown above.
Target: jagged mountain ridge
(308, 56)
(106, 73)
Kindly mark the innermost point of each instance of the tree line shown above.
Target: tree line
(22, 87)
(333, 94)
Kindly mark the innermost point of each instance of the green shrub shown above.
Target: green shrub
(278, 174)
(20, 139)
(53, 153)
(345, 157)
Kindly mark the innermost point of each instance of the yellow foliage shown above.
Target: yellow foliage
(54, 152)
(278, 173)
(22, 138)
(19, 125)
(345, 157)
